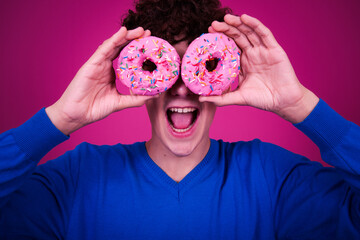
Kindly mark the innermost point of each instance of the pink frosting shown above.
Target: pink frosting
(129, 66)
(215, 48)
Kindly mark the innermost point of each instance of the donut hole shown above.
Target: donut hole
(148, 65)
(211, 64)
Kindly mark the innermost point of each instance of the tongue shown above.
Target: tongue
(181, 120)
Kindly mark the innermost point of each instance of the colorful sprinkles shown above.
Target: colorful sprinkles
(206, 48)
(200, 79)
(130, 70)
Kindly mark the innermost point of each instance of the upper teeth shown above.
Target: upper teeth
(182, 110)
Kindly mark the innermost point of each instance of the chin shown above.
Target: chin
(182, 148)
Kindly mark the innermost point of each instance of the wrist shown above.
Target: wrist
(299, 110)
(61, 121)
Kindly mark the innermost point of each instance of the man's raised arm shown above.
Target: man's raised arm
(91, 96)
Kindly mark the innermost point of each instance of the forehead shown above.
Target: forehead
(181, 48)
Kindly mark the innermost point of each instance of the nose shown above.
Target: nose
(179, 89)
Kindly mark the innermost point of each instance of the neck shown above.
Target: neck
(176, 166)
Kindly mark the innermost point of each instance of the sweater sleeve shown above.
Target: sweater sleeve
(337, 138)
(41, 207)
(311, 201)
(36, 201)
(22, 148)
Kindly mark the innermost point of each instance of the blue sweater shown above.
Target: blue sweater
(242, 190)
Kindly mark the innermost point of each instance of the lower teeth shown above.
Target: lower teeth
(181, 130)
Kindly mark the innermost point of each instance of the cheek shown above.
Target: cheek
(151, 106)
(209, 113)
(154, 108)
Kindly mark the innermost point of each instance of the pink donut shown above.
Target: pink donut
(148, 66)
(210, 64)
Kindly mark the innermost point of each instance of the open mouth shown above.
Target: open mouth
(182, 119)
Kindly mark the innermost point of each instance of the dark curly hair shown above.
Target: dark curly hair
(169, 19)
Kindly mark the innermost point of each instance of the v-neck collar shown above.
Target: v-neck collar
(190, 179)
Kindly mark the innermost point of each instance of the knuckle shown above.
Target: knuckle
(266, 31)
(250, 32)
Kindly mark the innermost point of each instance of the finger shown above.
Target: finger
(241, 40)
(128, 101)
(110, 47)
(131, 35)
(231, 98)
(211, 30)
(249, 32)
(147, 33)
(135, 33)
(220, 26)
(262, 31)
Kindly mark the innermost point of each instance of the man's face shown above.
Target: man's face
(180, 123)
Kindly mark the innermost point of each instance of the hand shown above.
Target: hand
(267, 80)
(92, 94)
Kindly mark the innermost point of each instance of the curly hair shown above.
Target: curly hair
(171, 19)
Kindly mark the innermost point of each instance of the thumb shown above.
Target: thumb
(129, 101)
(231, 98)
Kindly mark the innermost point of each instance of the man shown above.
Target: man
(182, 184)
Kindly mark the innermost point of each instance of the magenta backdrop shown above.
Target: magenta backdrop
(44, 43)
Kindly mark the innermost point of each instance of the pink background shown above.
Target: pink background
(44, 42)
